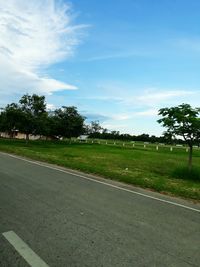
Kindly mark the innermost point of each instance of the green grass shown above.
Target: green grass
(161, 170)
(184, 173)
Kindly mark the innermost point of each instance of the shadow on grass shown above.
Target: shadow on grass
(183, 172)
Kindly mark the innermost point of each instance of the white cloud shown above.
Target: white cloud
(122, 117)
(191, 44)
(119, 55)
(154, 97)
(146, 113)
(51, 106)
(128, 96)
(135, 114)
(112, 126)
(34, 35)
(139, 106)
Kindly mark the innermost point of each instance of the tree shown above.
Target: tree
(34, 114)
(168, 138)
(28, 116)
(182, 121)
(68, 122)
(94, 129)
(10, 119)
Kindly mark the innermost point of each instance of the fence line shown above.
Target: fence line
(147, 146)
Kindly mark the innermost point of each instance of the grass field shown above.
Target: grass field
(144, 167)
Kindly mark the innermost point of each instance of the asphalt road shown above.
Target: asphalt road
(68, 220)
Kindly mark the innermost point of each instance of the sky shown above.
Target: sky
(117, 61)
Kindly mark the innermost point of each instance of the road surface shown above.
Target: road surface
(51, 217)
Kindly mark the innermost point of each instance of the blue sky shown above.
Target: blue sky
(116, 61)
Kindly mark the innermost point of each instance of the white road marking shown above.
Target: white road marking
(24, 250)
(104, 183)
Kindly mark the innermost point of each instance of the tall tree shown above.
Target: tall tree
(34, 114)
(182, 121)
(10, 119)
(68, 122)
(94, 129)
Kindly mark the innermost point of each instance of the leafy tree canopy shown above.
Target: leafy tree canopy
(29, 116)
(184, 121)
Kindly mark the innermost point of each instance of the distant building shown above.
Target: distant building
(83, 137)
(17, 135)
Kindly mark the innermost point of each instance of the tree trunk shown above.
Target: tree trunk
(27, 138)
(190, 158)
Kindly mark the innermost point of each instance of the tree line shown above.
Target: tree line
(102, 133)
(30, 116)
(94, 130)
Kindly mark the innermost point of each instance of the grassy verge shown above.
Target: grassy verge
(157, 170)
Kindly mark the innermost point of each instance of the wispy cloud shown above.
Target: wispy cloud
(51, 107)
(146, 113)
(191, 44)
(113, 126)
(154, 97)
(135, 114)
(142, 97)
(119, 55)
(122, 116)
(94, 117)
(34, 35)
(137, 104)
